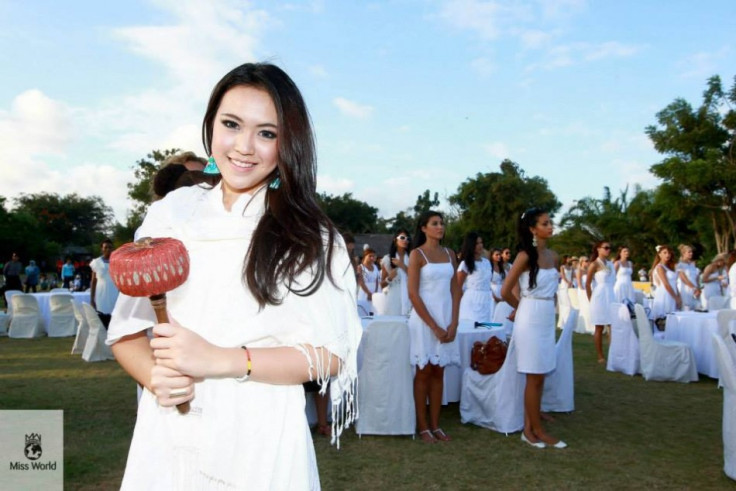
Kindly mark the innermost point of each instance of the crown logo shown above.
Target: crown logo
(33, 438)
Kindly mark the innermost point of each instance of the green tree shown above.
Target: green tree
(349, 214)
(700, 165)
(140, 190)
(490, 203)
(426, 203)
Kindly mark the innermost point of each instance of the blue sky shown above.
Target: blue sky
(405, 95)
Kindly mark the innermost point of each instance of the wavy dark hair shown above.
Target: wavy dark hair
(294, 235)
(468, 250)
(620, 250)
(502, 270)
(527, 220)
(422, 222)
(393, 249)
(596, 246)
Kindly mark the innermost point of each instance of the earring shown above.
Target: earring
(275, 184)
(211, 168)
(534, 240)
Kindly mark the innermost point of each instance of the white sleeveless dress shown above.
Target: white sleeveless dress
(397, 292)
(534, 324)
(372, 280)
(603, 296)
(476, 301)
(434, 290)
(623, 289)
(663, 302)
(687, 294)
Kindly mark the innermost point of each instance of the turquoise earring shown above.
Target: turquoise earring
(211, 168)
(275, 184)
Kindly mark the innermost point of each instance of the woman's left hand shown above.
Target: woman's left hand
(183, 350)
(451, 332)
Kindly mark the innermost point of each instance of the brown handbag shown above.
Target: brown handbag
(487, 358)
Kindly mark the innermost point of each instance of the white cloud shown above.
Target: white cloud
(34, 125)
(633, 172)
(334, 185)
(564, 55)
(535, 38)
(488, 19)
(703, 64)
(352, 108)
(318, 71)
(498, 150)
(483, 66)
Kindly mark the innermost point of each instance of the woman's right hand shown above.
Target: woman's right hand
(440, 333)
(166, 380)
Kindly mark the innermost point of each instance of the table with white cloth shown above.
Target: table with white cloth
(44, 303)
(695, 329)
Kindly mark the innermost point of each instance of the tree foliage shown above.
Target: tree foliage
(349, 214)
(490, 203)
(140, 190)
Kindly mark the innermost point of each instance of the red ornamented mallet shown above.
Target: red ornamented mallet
(150, 268)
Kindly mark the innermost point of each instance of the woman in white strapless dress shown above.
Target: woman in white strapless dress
(712, 278)
(687, 278)
(534, 276)
(370, 275)
(435, 297)
(498, 274)
(394, 269)
(623, 289)
(666, 297)
(601, 272)
(474, 272)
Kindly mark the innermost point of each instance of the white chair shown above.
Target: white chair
(717, 302)
(639, 297)
(95, 348)
(59, 290)
(623, 353)
(26, 321)
(8, 295)
(62, 322)
(386, 381)
(588, 326)
(727, 370)
(563, 306)
(732, 303)
(726, 325)
(559, 384)
(365, 308)
(4, 323)
(495, 401)
(501, 313)
(663, 360)
(379, 303)
(80, 340)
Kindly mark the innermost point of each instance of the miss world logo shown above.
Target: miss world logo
(33, 449)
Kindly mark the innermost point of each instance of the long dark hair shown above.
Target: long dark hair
(501, 269)
(294, 235)
(596, 246)
(422, 222)
(468, 251)
(528, 220)
(395, 248)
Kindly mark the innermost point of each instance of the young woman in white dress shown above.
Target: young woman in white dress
(712, 278)
(623, 288)
(435, 296)
(506, 256)
(269, 304)
(666, 297)
(566, 272)
(534, 278)
(731, 264)
(600, 271)
(581, 274)
(474, 272)
(369, 279)
(498, 275)
(687, 278)
(394, 269)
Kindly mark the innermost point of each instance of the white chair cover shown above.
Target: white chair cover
(663, 360)
(386, 381)
(379, 303)
(563, 306)
(638, 297)
(501, 313)
(717, 302)
(732, 303)
(365, 308)
(59, 290)
(727, 371)
(726, 325)
(80, 339)
(588, 326)
(495, 401)
(623, 353)
(95, 348)
(4, 323)
(61, 321)
(8, 295)
(559, 384)
(26, 321)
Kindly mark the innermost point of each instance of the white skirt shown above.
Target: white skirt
(534, 336)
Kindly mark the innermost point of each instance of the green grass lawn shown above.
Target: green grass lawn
(625, 433)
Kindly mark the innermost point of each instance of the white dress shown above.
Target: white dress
(397, 291)
(372, 280)
(534, 324)
(711, 288)
(476, 300)
(602, 296)
(496, 284)
(623, 289)
(732, 280)
(663, 302)
(106, 293)
(686, 293)
(237, 435)
(434, 290)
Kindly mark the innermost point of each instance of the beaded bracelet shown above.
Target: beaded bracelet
(247, 374)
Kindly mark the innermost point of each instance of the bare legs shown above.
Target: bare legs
(533, 429)
(598, 340)
(428, 383)
(320, 404)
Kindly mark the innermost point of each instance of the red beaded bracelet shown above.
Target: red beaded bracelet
(247, 374)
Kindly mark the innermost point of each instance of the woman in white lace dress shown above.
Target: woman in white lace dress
(712, 278)
(623, 289)
(474, 272)
(498, 275)
(666, 297)
(600, 271)
(370, 276)
(435, 296)
(687, 278)
(534, 278)
(394, 269)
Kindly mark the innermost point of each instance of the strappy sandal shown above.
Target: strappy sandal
(427, 437)
(440, 435)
